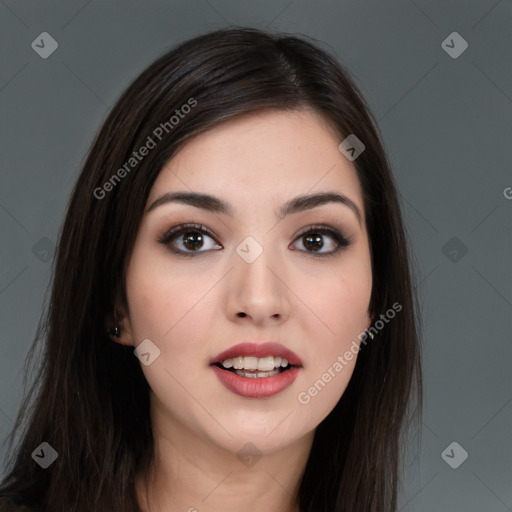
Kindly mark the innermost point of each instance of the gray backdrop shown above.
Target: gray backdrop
(445, 113)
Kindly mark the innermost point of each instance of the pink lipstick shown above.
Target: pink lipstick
(256, 370)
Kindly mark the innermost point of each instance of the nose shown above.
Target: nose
(257, 292)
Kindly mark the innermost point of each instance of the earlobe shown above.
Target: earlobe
(116, 336)
(117, 332)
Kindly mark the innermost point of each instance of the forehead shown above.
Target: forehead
(263, 157)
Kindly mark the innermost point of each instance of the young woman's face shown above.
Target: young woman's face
(248, 275)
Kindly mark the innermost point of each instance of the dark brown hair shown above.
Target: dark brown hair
(90, 400)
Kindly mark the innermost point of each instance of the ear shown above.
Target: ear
(121, 320)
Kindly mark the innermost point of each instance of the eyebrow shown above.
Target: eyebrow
(216, 205)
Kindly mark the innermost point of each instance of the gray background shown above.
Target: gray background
(446, 123)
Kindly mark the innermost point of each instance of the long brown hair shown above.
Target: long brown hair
(90, 400)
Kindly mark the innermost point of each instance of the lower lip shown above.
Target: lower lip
(259, 387)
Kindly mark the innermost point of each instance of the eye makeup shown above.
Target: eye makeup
(315, 233)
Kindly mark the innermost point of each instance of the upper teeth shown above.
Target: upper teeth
(255, 363)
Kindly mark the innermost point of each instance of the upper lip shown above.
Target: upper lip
(258, 350)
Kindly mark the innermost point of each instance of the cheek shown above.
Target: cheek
(334, 348)
(162, 297)
(170, 309)
(348, 307)
(337, 311)
(335, 303)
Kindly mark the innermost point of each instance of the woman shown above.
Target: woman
(237, 229)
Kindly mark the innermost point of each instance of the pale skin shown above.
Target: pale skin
(191, 308)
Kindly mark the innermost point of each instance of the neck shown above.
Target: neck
(192, 473)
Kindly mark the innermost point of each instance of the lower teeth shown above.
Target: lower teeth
(241, 373)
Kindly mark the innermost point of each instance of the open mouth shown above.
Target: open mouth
(256, 374)
(257, 377)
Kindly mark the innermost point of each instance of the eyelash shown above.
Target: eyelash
(320, 229)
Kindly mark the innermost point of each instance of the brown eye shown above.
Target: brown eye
(189, 239)
(313, 242)
(193, 240)
(318, 238)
